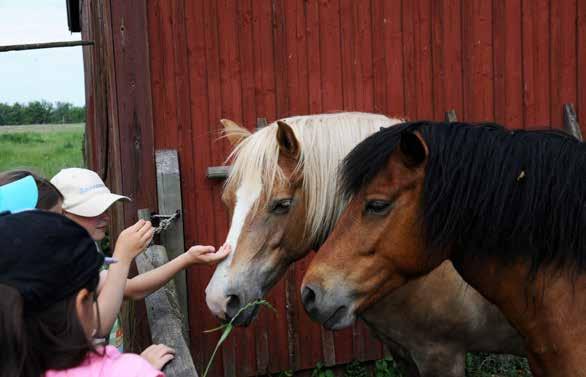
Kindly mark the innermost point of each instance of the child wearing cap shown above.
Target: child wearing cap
(48, 316)
(86, 201)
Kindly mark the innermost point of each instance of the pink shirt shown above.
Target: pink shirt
(112, 364)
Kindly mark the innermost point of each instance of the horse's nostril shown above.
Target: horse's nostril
(233, 305)
(308, 297)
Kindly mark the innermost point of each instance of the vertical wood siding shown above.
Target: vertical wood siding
(189, 63)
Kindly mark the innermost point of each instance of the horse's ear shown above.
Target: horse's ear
(413, 149)
(234, 132)
(288, 143)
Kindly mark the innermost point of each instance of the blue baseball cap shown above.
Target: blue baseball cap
(19, 195)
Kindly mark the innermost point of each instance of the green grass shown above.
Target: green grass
(44, 149)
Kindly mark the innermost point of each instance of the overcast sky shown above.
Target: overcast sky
(51, 74)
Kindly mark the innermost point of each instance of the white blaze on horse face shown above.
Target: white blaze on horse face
(216, 295)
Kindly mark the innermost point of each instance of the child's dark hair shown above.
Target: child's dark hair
(33, 343)
(49, 195)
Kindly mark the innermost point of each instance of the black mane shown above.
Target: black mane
(491, 191)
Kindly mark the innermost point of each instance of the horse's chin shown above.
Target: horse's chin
(343, 317)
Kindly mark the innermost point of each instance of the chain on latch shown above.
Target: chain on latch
(164, 222)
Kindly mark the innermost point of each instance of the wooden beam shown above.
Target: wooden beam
(37, 46)
(451, 116)
(218, 172)
(261, 123)
(169, 199)
(164, 313)
(571, 122)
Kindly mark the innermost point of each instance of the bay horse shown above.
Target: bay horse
(506, 207)
(283, 197)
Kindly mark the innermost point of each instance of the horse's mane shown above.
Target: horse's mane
(490, 191)
(324, 140)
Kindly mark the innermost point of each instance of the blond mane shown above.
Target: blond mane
(324, 139)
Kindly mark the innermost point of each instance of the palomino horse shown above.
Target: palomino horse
(506, 207)
(283, 197)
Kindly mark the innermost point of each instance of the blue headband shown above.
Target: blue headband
(19, 195)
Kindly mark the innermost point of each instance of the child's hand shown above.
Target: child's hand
(158, 355)
(207, 254)
(133, 240)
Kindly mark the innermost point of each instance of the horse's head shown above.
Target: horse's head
(268, 218)
(377, 244)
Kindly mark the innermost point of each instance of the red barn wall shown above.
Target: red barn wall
(178, 66)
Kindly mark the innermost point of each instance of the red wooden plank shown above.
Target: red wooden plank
(536, 68)
(313, 56)
(363, 68)
(157, 74)
(423, 67)
(167, 131)
(563, 58)
(508, 75)
(478, 61)
(407, 16)
(281, 58)
(297, 58)
(581, 64)
(447, 56)
(246, 48)
(394, 57)
(348, 55)
(379, 71)
(263, 59)
(134, 102)
(331, 65)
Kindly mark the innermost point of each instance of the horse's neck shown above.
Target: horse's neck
(548, 310)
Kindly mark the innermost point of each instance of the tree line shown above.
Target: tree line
(41, 112)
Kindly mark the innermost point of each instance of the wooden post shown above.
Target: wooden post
(570, 122)
(218, 172)
(261, 123)
(164, 312)
(451, 116)
(169, 199)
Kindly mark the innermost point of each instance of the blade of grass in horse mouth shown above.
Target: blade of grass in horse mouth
(228, 327)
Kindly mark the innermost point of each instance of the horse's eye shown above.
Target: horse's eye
(281, 206)
(377, 207)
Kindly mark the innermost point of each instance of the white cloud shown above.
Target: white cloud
(51, 74)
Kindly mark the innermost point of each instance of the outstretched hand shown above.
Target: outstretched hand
(207, 254)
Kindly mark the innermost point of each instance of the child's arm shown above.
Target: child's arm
(144, 284)
(131, 242)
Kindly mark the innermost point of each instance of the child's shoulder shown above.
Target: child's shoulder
(111, 363)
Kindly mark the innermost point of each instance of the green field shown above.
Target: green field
(44, 149)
